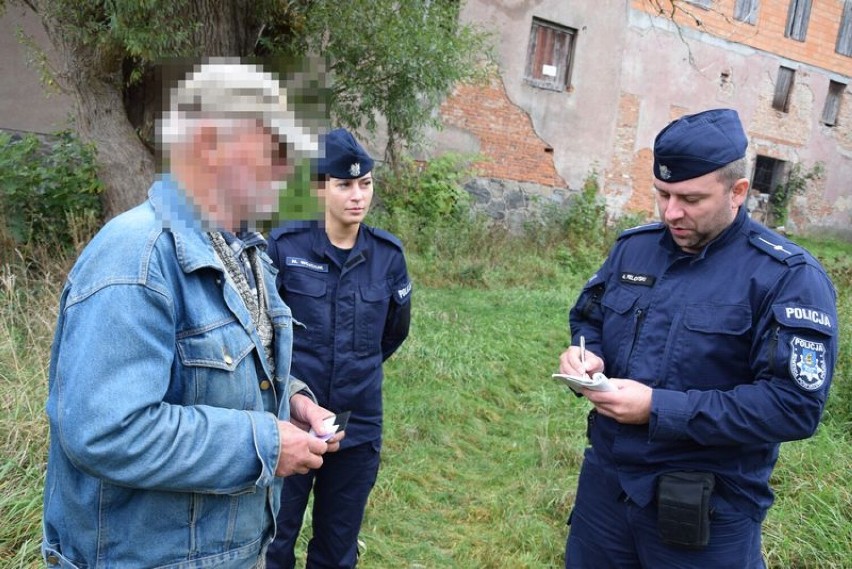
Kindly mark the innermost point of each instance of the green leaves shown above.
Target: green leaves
(44, 186)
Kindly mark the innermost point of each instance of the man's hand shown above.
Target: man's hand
(629, 404)
(307, 415)
(570, 364)
(299, 452)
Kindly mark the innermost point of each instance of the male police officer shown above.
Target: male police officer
(171, 407)
(348, 284)
(728, 332)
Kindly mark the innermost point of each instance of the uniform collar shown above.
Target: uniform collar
(719, 242)
(322, 246)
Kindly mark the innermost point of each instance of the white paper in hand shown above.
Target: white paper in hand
(332, 425)
(597, 382)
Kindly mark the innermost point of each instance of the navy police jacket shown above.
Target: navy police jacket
(354, 317)
(738, 342)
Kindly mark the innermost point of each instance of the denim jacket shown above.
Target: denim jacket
(162, 408)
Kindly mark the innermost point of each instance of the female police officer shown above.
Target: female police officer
(348, 284)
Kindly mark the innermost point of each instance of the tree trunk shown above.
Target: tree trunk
(92, 75)
(91, 71)
(124, 164)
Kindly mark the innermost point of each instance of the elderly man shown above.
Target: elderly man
(173, 416)
(728, 333)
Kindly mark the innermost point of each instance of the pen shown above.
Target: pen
(583, 354)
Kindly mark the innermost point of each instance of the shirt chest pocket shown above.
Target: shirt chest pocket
(217, 366)
(620, 325)
(714, 344)
(305, 295)
(371, 311)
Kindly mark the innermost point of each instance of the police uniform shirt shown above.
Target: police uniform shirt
(351, 316)
(738, 341)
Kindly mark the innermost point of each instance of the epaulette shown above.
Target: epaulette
(385, 236)
(777, 247)
(296, 226)
(657, 226)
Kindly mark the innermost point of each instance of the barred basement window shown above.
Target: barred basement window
(832, 103)
(550, 55)
(797, 19)
(746, 11)
(783, 88)
(844, 35)
(768, 173)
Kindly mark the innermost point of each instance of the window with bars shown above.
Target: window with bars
(798, 16)
(746, 11)
(768, 173)
(832, 102)
(550, 55)
(783, 89)
(844, 35)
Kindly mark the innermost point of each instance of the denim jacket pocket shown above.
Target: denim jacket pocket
(217, 367)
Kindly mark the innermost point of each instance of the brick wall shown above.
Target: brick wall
(510, 147)
(768, 32)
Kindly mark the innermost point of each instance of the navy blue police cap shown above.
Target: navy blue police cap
(343, 157)
(698, 144)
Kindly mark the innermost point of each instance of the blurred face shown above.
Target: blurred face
(347, 201)
(696, 211)
(242, 169)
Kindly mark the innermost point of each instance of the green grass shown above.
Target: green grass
(482, 449)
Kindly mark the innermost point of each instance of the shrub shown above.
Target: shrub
(796, 183)
(432, 194)
(47, 190)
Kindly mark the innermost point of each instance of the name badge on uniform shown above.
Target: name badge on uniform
(637, 279)
(807, 363)
(305, 264)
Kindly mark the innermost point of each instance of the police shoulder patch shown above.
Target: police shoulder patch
(807, 363)
(777, 247)
(642, 229)
(385, 236)
(402, 293)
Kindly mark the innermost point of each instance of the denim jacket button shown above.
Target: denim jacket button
(264, 385)
(228, 359)
(52, 560)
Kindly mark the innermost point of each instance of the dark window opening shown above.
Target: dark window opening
(550, 55)
(768, 173)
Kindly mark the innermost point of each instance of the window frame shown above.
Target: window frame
(833, 99)
(844, 33)
(783, 88)
(746, 11)
(798, 17)
(564, 68)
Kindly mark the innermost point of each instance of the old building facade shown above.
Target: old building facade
(583, 87)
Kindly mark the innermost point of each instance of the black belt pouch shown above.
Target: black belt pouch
(683, 508)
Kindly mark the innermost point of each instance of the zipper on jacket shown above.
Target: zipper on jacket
(773, 347)
(638, 318)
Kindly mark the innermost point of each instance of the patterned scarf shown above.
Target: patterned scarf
(244, 270)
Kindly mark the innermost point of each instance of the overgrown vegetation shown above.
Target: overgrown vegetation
(796, 183)
(481, 448)
(49, 191)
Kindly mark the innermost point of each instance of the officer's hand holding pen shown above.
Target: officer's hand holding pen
(572, 362)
